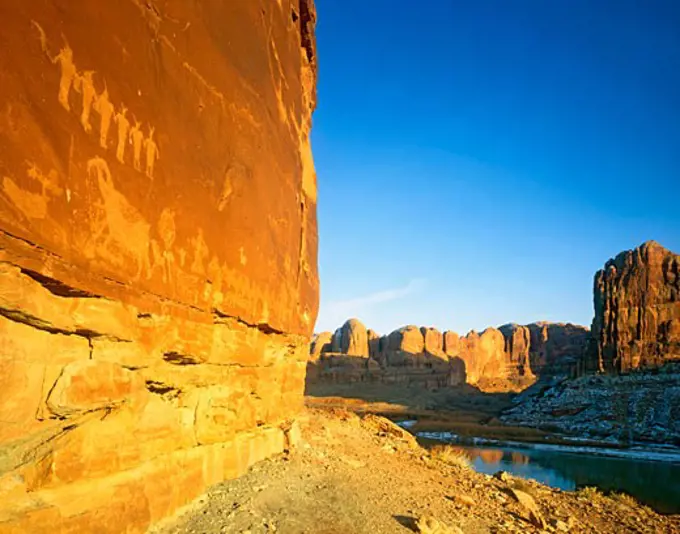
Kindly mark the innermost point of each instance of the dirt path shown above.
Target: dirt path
(352, 475)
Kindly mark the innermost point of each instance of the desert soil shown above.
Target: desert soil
(351, 474)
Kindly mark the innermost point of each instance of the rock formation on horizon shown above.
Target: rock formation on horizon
(637, 310)
(158, 252)
(495, 359)
(409, 355)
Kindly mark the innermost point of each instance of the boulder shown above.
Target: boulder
(529, 507)
(637, 310)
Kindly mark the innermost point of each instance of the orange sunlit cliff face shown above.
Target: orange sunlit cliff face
(158, 247)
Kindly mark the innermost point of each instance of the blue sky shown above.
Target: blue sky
(479, 160)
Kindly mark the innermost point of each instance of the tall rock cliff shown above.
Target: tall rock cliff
(158, 250)
(558, 349)
(518, 348)
(637, 310)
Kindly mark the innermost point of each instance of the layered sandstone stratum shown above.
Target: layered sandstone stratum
(510, 357)
(158, 279)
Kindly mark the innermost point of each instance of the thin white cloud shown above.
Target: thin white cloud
(334, 312)
(377, 298)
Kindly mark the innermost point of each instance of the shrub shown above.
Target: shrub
(451, 456)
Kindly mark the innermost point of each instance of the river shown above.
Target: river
(651, 476)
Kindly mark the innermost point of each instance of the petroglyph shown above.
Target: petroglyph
(128, 232)
(167, 231)
(105, 108)
(123, 129)
(201, 253)
(227, 189)
(31, 205)
(151, 152)
(84, 84)
(137, 139)
(50, 182)
(42, 37)
(68, 75)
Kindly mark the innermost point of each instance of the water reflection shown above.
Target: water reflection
(654, 483)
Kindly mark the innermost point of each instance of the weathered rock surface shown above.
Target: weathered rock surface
(484, 356)
(636, 407)
(496, 359)
(401, 357)
(433, 341)
(635, 328)
(158, 280)
(558, 349)
(352, 339)
(321, 343)
(403, 345)
(518, 347)
(374, 344)
(637, 310)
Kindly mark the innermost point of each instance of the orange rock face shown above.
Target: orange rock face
(433, 341)
(637, 310)
(518, 347)
(158, 279)
(484, 356)
(352, 338)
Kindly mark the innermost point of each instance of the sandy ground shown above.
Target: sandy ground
(365, 475)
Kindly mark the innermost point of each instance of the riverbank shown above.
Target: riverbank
(352, 475)
(640, 407)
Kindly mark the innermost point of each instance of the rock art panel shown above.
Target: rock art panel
(154, 324)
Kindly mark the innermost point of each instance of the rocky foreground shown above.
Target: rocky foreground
(354, 475)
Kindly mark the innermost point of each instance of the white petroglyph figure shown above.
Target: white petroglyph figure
(68, 75)
(84, 83)
(137, 139)
(127, 229)
(123, 129)
(104, 107)
(152, 152)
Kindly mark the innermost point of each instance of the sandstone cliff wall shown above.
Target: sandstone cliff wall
(496, 359)
(637, 310)
(158, 243)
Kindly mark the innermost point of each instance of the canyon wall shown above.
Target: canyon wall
(158, 249)
(637, 310)
(635, 351)
(407, 356)
(496, 359)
